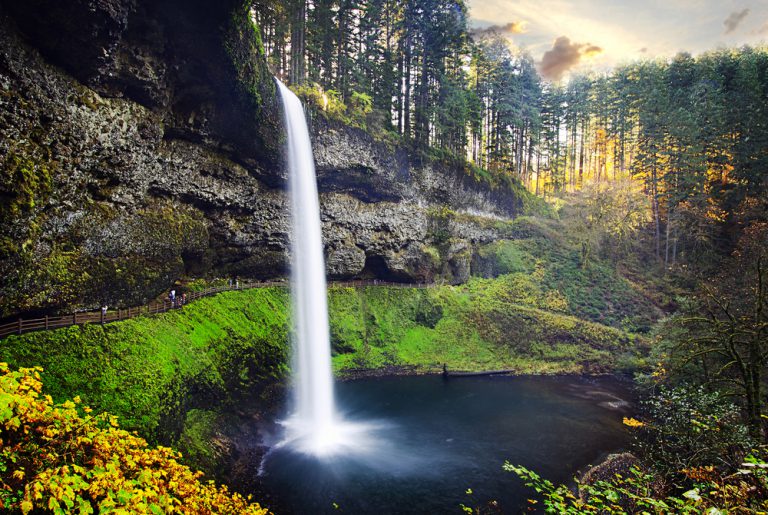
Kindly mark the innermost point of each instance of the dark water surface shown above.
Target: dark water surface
(429, 440)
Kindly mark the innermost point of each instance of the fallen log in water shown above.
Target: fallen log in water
(447, 373)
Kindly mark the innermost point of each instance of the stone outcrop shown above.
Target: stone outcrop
(140, 142)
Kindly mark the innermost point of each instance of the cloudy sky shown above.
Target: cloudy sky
(563, 35)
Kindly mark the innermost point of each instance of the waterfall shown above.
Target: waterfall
(313, 424)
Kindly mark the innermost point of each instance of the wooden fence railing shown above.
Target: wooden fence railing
(45, 323)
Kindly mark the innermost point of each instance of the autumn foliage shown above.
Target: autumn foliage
(64, 459)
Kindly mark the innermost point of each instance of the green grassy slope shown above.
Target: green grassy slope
(142, 369)
(468, 327)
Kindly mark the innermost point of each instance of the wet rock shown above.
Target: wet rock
(613, 464)
(345, 261)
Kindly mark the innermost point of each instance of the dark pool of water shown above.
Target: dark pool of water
(430, 440)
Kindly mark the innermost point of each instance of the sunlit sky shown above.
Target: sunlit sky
(563, 36)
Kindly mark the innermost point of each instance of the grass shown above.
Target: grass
(143, 369)
(471, 327)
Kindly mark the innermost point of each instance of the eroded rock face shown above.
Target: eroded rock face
(349, 160)
(140, 142)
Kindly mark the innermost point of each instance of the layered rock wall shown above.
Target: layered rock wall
(140, 143)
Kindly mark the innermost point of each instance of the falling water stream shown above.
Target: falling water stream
(312, 425)
(315, 427)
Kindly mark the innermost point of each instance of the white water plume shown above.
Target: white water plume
(315, 426)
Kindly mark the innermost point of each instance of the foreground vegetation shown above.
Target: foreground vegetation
(62, 458)
(693, 452)
(638, 492)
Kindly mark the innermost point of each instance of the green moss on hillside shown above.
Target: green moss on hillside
(472, 327)
(26, 180)
(145, 369)
(543, 263)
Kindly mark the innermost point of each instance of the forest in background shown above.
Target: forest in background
(689, 133)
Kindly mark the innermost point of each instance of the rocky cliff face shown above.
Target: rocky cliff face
(140, 143)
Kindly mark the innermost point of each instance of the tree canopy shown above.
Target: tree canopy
(692, 130)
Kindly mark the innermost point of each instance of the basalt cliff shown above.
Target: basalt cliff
(140, 142)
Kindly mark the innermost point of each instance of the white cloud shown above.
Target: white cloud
(623, 27)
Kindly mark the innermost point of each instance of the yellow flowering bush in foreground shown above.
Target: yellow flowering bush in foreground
(56, 459)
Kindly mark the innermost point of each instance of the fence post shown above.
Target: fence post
(46, 322)
(74, 319)
(20, 322)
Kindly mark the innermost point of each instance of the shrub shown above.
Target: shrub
(63, 459)
(713, 493)
(360, 105)
(690, 427)
(331, 104)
